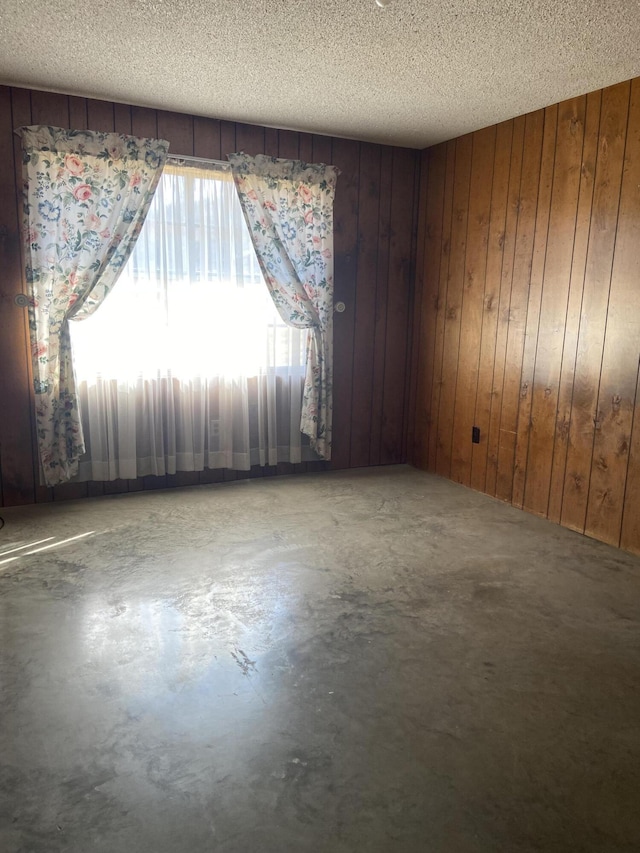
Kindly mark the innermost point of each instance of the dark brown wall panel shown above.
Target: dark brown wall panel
(453, 304)
(375, 217)
(440, 298)
(545, 355)
(365, 304)
(16, 451)
(347, 154)
(399, 294)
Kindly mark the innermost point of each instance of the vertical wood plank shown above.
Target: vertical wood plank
(122, 118)
(480, 184)
(227, 139)
(604, 217)
(453, 311)
(618, 374)
(527, 207)
(398, 299)
(534, 299)
(574, 305)
(305, 150)
(16, 451)
(250, 139)
(506, 275)
(49, 108)
(553, 309)
(382, 285)
(346, 155)
(440, 305)
(288, 144)
(321, 146)
(78, 113)
(365, 303)
(413, 251)
(206, 138)
(271, 150)
(100, 115)
(431, 195)
(177, 129)
(144, 122)
(491, 300)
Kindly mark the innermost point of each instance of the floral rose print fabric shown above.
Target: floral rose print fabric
(288, 206)
(86, 196)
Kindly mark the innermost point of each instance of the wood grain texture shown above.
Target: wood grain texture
(534, 299)
(397, 309)
(555, 389)
(630, 535)
(381, 290)
(440, 300)
(595, 298)
(571, 325)
(426, 299)
(480, 186)
(527, 206)
(618, 373)
(553, 308)
(373, 276)
(453, 306)
(491, 300)
(506, 275)
(365, 304)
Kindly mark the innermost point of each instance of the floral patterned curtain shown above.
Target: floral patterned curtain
(86, 196)
(288, 206)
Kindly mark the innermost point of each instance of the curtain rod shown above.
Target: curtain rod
(176, 158)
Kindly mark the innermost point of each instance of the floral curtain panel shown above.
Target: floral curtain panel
(86, 196)
(288, 206)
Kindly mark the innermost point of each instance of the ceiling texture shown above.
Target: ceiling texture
(413, 73)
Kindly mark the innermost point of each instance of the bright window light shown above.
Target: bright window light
(191, 301)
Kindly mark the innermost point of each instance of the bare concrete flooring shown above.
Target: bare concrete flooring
(353, 662)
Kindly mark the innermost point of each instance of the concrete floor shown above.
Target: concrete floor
(353, 662)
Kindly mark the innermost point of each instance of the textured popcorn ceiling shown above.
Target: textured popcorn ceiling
(413, 73)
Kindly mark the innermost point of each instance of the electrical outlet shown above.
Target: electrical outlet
(475, 435)
(214, 429)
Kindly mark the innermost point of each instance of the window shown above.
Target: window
(187, 364)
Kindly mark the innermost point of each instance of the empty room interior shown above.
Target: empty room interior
(320, 426)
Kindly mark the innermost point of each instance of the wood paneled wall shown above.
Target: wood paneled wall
(375, 215)
(527, 313)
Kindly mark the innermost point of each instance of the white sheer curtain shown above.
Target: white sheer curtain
(187, 365)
